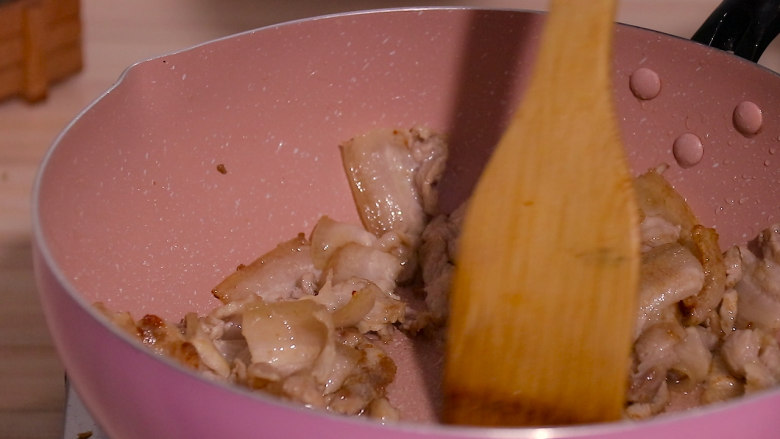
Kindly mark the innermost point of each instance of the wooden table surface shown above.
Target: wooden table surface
(116, 34)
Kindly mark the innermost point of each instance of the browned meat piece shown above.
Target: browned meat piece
(759, 287)
(668, 274)
(393, 176)
(707, 250)
(281, 273)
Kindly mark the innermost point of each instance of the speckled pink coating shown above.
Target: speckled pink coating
(130, 208)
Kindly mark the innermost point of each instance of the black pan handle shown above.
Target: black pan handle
(745, 27)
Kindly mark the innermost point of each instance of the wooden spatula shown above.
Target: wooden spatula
(544, 292)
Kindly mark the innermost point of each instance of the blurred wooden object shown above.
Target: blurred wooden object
(40, 43)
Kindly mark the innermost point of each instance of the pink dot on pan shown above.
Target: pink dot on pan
(644, 83)
(747, 118)
(688, 150)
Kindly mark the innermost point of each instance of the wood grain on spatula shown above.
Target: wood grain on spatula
(543, 300)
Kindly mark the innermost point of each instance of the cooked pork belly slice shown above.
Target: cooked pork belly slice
(663, 210)
(437, 261)
(670, 364)
(370, 310)
(330, 235)
(704, 244)
(297, 354)
(693, 356)
(366, 382)
(160, 336)
(335, 296)
(285, 272)
(656, 405)
(667, 345)
(201, 335)
(393, 176)
(286, 337)
(751, 355)
(654, 354)
(380, 169)
(361, 303)
(356, 265)
(657, 198)
(721, 385)
(759, 287)
(739, 349)
(655, 231)
(360, 287)
(355, 260)
(668, 274)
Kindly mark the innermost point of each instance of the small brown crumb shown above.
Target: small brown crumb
(84, 435)
(221, 168)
